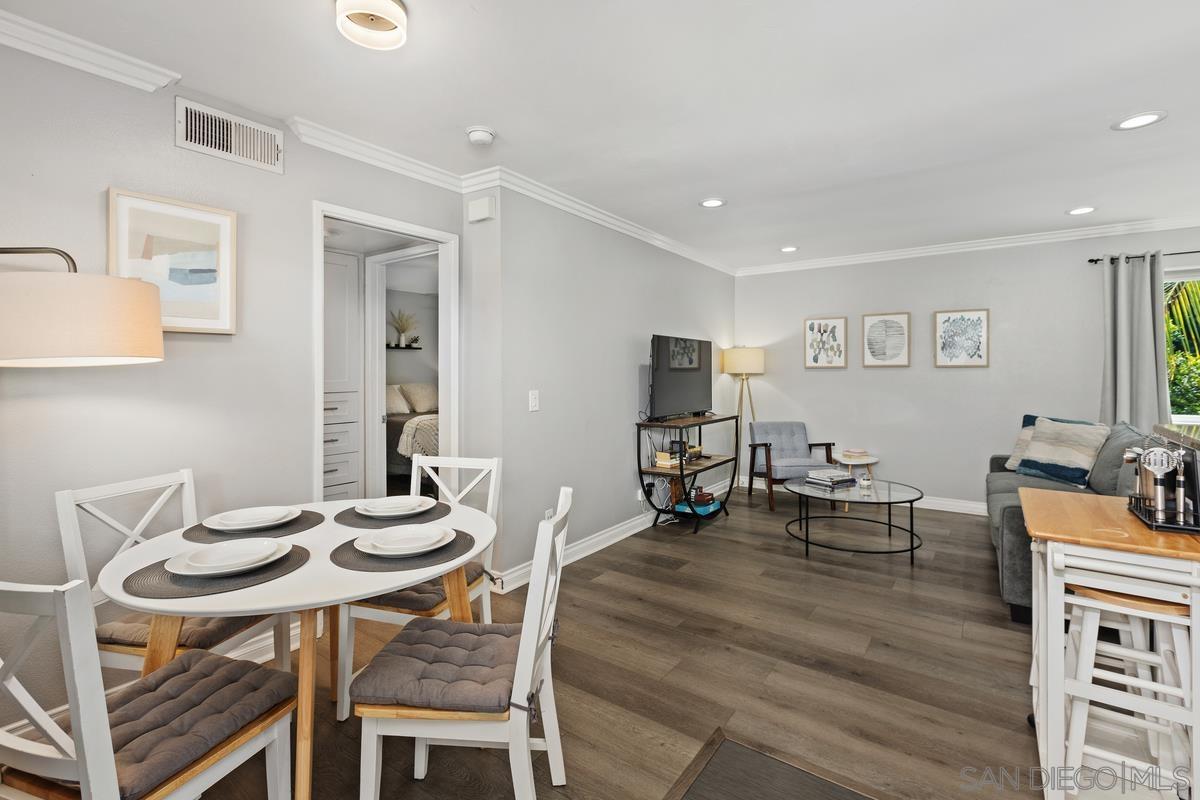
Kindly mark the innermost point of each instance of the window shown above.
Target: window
(1182, 306)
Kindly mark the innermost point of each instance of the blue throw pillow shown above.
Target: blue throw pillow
(1063, 451)
(1027, 423)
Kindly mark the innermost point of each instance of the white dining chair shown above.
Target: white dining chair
(472, 684)
(425, 599)
(168, 736)
(123, 641)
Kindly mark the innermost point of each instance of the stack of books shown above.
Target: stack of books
(854, 452)
(666, 460)
(831, 479)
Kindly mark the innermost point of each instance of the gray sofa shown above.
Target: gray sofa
(1110, 475)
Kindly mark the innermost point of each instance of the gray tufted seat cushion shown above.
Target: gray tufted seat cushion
(164, 722)
(440, 664)
(204, 633)
(424, 596)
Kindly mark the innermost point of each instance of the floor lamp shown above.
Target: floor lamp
(65, 319)
(744, 362)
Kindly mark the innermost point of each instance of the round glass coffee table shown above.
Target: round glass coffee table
(880, 493)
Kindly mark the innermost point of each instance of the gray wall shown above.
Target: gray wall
(415, 366)
(237, 409)
(580, 304)
(936, 427)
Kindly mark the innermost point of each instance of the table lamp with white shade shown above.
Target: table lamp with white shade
(67, 319)
(744, 362)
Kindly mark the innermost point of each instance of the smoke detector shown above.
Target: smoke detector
(480, 135)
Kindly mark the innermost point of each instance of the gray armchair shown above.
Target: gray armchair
(782, 452)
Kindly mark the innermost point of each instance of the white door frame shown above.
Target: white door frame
(375, 368)
(449, 339)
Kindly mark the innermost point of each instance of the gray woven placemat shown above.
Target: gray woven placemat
(347, 556)
(203, 535)
(155, 583)
(352, 519)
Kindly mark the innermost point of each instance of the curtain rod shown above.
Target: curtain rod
(1127, 258)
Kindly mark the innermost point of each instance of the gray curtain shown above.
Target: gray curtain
(1135, 349)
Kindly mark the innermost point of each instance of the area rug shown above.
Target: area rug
(728, 770)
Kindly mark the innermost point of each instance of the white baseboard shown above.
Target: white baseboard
(518, 576)
(975, 508)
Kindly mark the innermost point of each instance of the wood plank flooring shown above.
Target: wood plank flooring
(882, 677)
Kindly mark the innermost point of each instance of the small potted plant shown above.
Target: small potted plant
(403, 324)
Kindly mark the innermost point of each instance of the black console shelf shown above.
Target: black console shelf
(687, 471)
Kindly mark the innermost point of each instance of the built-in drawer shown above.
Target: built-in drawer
(345, 437)
(344, 491)
(342, 407)
(342, 469)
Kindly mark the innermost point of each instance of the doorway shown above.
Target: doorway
(379, 396)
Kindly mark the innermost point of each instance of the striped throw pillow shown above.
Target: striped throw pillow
(1027, 423)
(1063, 451)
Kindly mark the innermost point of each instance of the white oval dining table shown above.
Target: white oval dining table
(317, 584)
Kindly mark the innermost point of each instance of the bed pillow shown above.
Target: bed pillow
(1063, 451)
(422, 397)
(396, 402)
(1027, 422)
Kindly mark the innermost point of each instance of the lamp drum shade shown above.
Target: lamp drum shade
(66, 319)
(743, 361)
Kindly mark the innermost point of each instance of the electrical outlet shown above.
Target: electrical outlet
(535, 400)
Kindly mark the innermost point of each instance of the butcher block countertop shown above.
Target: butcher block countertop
(1095, 520)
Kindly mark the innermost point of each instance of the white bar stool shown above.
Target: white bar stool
(1155, 679)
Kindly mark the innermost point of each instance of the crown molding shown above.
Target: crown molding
(503, 177)
(311, 133)
(995, 243)
(39, 40)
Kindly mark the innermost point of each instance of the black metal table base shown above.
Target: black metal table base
(806, 517)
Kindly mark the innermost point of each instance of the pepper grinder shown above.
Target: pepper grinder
(1159, 461)
(1180, 489)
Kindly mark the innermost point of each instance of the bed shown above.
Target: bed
(409, 431)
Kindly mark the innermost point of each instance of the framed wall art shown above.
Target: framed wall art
(825, 343)
(886, 339)
(961, 338)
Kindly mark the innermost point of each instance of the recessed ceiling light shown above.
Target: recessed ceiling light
(1139, 120)
(1078, 212)
(712, 202)
(374, 24)
(791, 248)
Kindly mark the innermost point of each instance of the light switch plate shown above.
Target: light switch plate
(535, 400)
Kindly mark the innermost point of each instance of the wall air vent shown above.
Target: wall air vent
(217, 133)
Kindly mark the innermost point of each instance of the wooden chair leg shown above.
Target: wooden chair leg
(554, 751)
(279, 761)
(283, 642)
(332, 619)
(750, 488)
(345, 648)
(770, 493)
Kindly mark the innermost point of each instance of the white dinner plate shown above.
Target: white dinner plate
(236, 553)
(405, 543)
(180, 565)
(385, 509)
(252, 519)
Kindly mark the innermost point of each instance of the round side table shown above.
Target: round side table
(850, 462)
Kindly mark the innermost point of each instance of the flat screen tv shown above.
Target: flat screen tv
(681, 376)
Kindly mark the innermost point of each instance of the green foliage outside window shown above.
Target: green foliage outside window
(1182, 306)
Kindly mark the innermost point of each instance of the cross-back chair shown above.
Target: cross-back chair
(426, 599)
(149, 740)
(497, 680)
(123, 641)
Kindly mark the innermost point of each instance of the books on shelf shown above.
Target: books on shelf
(703, 510)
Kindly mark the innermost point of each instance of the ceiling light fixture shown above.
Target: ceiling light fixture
(1139, 120)
(480, 135)
(791, 248)
(1078, 212)
(374, 24)
(712, 202)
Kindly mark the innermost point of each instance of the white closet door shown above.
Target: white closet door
(343, 323)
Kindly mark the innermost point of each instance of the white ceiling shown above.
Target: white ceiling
(350, 237)
(837, 127)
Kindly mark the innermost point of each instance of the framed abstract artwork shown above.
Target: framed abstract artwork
(825, 343)
(886, 339)
(961, 338)
(188, 251)
(684, 354)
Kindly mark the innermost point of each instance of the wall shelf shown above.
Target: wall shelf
(398, 347)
